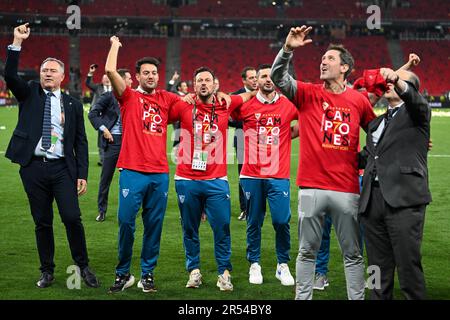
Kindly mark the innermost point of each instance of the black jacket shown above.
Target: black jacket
(28, 131)
(400, 157)
(97, 89)
(105, 112)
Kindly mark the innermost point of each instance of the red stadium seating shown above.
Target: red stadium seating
(92, 50)
(96, 8)
(328, 9)
(434, 68)
(419, 9)
(95, 50)
(228, 57)
(227, 8)
(37, 48)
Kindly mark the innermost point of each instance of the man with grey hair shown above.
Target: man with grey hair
(395, 189)
(331, 116)
(49, 143)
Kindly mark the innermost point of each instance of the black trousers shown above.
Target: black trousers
(111, 155)
(393, 237)
(43, 183)
(101, 150)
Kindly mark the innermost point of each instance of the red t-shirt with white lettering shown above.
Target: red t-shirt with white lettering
(211, 124)
(267, 136)
(329, 136)
(144, 130)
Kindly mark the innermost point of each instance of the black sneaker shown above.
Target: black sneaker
(147, 284)
(122, 282)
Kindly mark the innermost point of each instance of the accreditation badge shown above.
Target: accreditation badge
(199, 160)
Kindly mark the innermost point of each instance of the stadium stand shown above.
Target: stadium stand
(228, 8)
(434, 68)
(419, 9)
(133, 49)
(91, 8)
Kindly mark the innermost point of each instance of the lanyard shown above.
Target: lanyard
(198, 138)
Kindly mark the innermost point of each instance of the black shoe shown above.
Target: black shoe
(147, 284)
(89, 278)
(45, 280)
(122, 282)
(100, 217)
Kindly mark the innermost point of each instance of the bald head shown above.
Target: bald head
(410, 77)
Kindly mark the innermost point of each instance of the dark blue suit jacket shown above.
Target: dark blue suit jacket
(105, 112)
(28, 131)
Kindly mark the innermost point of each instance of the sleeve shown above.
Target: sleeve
(416, 105)
(302, 89)
(281, 77)
(90, 84)
(19, 87)
(367, 115)
(175, 111)
(172, 99)
(236, 102)
(126, 95)
(293, 112)
(95, 114)
(235, 116)
(81, 145)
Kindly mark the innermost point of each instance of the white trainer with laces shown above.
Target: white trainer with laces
(224, 283)
(255, 274)
(284, 275)
(195, 279)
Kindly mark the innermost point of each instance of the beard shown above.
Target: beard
(267, 90)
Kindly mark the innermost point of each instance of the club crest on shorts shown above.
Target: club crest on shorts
(247, 195)
(181, 197)
(125, 192)
(165, 194)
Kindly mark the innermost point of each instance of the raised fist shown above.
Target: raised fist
(414, 59)
(22, 32)
(115, 41)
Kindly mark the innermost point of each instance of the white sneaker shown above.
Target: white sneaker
(195, 279)
(224, 283)
(284, 275)
(255, 274)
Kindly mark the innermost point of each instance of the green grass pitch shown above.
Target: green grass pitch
(19, 260)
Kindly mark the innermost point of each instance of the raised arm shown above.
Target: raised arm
(117, 81)
(280, 67)
(416, 105)
(413, 61)
(16, 84)
(89, 79)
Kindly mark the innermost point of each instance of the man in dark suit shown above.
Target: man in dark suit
(98, 89)
(250, 84)
(49, 142)
(105, 117)
(395, 189)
